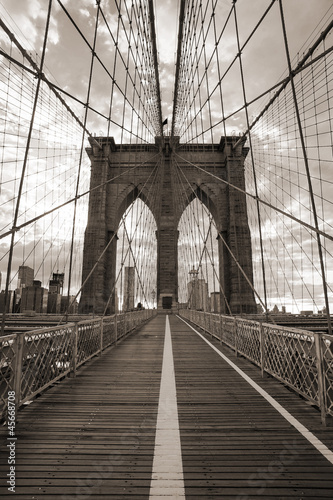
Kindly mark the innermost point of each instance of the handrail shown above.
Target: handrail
(301, 359)
(31, 362)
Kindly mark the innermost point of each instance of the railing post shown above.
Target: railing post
(221, 327)
(101, 337)
(262, 348)
(236, 336)
(209, 322)
(74, 359)
(116, 328)
(320, 374)
(18, 368)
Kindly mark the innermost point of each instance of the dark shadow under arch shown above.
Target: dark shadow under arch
(133, 193)
(199, 192)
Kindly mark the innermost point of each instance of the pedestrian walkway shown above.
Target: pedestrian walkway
(163, 415)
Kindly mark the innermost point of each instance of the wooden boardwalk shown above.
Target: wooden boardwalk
(94, 436)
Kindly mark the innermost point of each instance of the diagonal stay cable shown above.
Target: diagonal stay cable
(99, 259)
(24, 166)
(36, 72)
(44, 214)
(123, 219)
(179, 170)
(112, 77)
(250, 195)
(56, 89)
(235, 57)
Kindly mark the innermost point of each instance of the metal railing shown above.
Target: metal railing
(301, 359)
(31, 362)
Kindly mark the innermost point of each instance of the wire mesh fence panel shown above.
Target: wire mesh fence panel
(327, 350)
(46, 357)
(120, 325)
(31, 362)
(291, 357)
(215, 325)
(228, 331)
(288, 354)
(109, 331)
(130, 322)
(248, 340)
(7, 369)
(89, 340)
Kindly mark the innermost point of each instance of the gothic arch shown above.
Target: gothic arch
(125, 198)
(206, 196)
(108, 201)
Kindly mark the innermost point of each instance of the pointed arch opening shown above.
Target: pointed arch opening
(136, 265)
(198, 257)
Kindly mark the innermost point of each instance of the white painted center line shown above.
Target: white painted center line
(319, 445)
(167, 478)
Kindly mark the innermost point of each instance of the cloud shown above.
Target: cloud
(54, 155)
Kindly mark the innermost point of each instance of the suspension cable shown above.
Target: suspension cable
(10, 258)
(306, 165)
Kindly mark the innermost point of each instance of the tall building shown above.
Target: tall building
(34, 298)
(215, 302)
(56, 285)
(41, 298)
(128, 303)
(73, 305)
(10, 301)
(25, 279)
(198, 297)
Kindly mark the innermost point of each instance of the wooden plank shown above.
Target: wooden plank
(89, 435)
(94, 435)
(234, 443)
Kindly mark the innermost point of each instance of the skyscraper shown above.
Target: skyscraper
(197, 292)
(128, 304)
(25, 280)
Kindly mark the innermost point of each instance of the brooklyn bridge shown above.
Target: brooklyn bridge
(166, 249)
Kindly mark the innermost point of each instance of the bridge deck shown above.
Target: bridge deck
(94, 436)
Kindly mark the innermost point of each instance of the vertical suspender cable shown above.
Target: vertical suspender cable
(80, 160)
(114, 73)
(307, 169)
(252, 158)
(219, 77)
(155, 60)
(25, 161)
(179, 50)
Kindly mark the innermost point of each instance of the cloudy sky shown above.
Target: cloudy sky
(68, 57)
(67, 64)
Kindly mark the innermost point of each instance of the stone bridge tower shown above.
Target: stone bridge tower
(109, 200)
